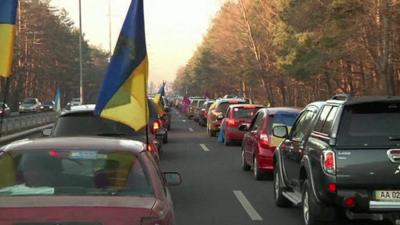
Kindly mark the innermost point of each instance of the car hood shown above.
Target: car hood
(96, 210)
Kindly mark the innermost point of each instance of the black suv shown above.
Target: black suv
(342, 154)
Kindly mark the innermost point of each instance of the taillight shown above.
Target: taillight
(350, 202)
(150, 148)
(156, 127)
(328, 161)
(332, 188)
(231, 122)
(264, 139)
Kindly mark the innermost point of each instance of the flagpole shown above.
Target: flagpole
(80, 54)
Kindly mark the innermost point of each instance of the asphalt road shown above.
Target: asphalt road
(215, 191)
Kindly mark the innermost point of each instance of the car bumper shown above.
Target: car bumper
(233, 134)
(265, 158)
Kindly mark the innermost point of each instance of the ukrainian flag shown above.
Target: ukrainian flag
(8, 12)
(123, 97)
(158, 98)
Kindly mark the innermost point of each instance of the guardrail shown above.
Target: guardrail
(24, 122)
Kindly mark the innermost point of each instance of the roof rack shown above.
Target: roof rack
(342, 97)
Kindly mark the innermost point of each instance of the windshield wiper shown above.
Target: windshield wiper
(394, 138)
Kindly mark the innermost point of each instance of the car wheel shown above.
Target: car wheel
(257, 172)
(244, 165)
(314, 213)
(280, 200)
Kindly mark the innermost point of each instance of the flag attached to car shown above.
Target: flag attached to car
(57, 101)
(123, 96)
(158, 98)
(8, 12)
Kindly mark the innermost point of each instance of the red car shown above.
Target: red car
(85, 181)
(236, 115)
(258, 144)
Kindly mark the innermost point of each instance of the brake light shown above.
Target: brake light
(332, 188)
(156, 127)
(350, 202)
(231, 122)
(150, 148)
(264, 139)
(328, 161)
(54, 154)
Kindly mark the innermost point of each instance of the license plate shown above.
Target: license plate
(387, 195)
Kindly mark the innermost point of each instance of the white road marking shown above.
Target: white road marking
(204, 147)
(247, 206)
(191, 129)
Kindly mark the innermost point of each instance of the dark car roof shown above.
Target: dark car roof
(69, 143)
(372, 99)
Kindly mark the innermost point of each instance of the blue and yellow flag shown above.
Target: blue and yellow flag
(123, 97)
(8, 12)
(158, 98)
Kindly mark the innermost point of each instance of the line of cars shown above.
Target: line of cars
(88, 170)
(332, 158)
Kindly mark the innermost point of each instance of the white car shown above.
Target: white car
(30, 105)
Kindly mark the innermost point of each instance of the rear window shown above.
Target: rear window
(370, 124)
(223, 106)
(244, 113)
(89, 125)
(72, 172)
(284, 118)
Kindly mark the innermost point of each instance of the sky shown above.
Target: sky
(174, 28)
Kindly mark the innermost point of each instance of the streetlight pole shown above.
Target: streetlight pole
(80, 54)
(109, 29)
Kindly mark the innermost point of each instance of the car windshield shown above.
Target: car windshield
(244, 113)
(370, 124)
(80, 172)
(29, 101)
(89, 125)
(281, 118)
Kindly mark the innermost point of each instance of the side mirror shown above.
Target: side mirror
(244, 127)
(172, 178)
(46, 132)
(280, 131)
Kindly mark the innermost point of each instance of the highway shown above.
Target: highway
(215, 191)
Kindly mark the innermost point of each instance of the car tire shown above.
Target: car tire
(280, 200)
(314, 213)
(257, 172)
(245, 166)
